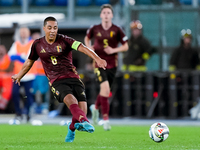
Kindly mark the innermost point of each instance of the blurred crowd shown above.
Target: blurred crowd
(34, 88)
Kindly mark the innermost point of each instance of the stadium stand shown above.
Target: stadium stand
(100, 2)
(43, 2)
(60, 2)
(148, 2)
(19, 2)
(157, 2)
(144, 2)
(187, 2)
(83, 2)
(7, 2)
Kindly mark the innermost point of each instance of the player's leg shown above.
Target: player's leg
(104, 94)
(79, 94)
(78, 116)
(82, 106)
(71, 126)
(72, 104)
(105, 106)
(94, 108)
(16, 101)
(110, 73)
(29, 98)
(77, 113)
(84, 126)
(64, 91)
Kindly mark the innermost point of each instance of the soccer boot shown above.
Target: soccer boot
(106, 125)
(70, 135)
(95, 114)
(84, 126)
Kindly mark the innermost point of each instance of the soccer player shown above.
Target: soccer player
(106, 36)
(55, 52)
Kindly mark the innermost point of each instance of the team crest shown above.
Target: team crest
(59, 48)
(57, 93)
(112, 33)
(99, 34)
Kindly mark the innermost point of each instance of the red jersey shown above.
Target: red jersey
(56, 58)
(103, 38)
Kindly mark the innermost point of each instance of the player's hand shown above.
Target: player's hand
(101, 63)
(16, 79)
(109, 50)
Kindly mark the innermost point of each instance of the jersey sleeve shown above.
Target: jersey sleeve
(72, 42)
(33, 54)
(123, 37)
(89, 32)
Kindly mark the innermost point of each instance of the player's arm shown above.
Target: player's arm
(88, 42)
(122, 48)
(100, 62)
(25, 68)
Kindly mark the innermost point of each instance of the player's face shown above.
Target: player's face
(106, 15)
(51, 30)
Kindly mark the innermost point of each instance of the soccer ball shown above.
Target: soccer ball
(159, 132)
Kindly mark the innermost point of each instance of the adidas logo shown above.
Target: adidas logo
(83, 93)
(42, 51)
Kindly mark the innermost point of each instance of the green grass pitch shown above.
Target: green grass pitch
(51, 137)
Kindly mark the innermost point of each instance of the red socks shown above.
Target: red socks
(71, 127)
(105, 107)
(98, 102)
(77, 113)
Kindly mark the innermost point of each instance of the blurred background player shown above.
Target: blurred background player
(139, 49)
(185, 57)
(6, 67)
(19, 52)
(106, 36)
